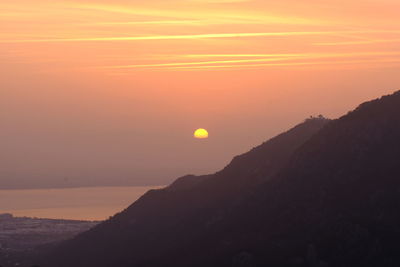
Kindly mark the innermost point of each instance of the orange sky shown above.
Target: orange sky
(110, 92)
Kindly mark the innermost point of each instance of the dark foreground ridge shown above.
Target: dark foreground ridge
(325, 193)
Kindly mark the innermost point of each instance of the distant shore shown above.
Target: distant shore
(75, 203)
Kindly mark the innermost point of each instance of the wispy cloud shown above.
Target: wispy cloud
(148, 22)
(361, 42)
(157, 34)
(239, 55)
(288, 64)
(218, 1)
(203, 13)
(265, 60)
(195, 63)
(181, 37)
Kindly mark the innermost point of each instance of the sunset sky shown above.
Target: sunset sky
(109, 92)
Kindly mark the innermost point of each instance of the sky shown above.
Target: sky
(110, 92)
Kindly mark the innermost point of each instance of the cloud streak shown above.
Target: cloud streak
(287, 64)
(206, 14)
(363, 42)
(184, 36)
(262, 58)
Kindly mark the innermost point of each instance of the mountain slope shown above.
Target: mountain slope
(332, 198)
(150, 227)
(336, 203)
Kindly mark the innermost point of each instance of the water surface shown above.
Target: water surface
(86, 203)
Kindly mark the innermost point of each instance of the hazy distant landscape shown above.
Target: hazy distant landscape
(87, 203)
(20, 234)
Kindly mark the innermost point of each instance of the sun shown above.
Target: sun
(200, 133)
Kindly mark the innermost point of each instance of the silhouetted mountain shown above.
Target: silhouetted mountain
(189, 202)
(322, 194)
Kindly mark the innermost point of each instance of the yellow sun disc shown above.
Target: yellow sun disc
(201, 133)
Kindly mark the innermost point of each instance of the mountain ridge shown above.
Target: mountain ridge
(221, 186)
(321, 204)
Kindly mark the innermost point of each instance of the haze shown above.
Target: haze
(110, 92)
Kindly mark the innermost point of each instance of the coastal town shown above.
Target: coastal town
(24, 233)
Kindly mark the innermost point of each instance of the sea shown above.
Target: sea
(84, 203)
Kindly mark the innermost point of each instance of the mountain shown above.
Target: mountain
(188, 202)
(325, 193)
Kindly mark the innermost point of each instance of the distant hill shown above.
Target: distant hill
(325, 193)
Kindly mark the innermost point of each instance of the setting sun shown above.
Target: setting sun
(201, 133)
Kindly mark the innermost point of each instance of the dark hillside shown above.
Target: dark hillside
(321, 194)
(165, 221)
